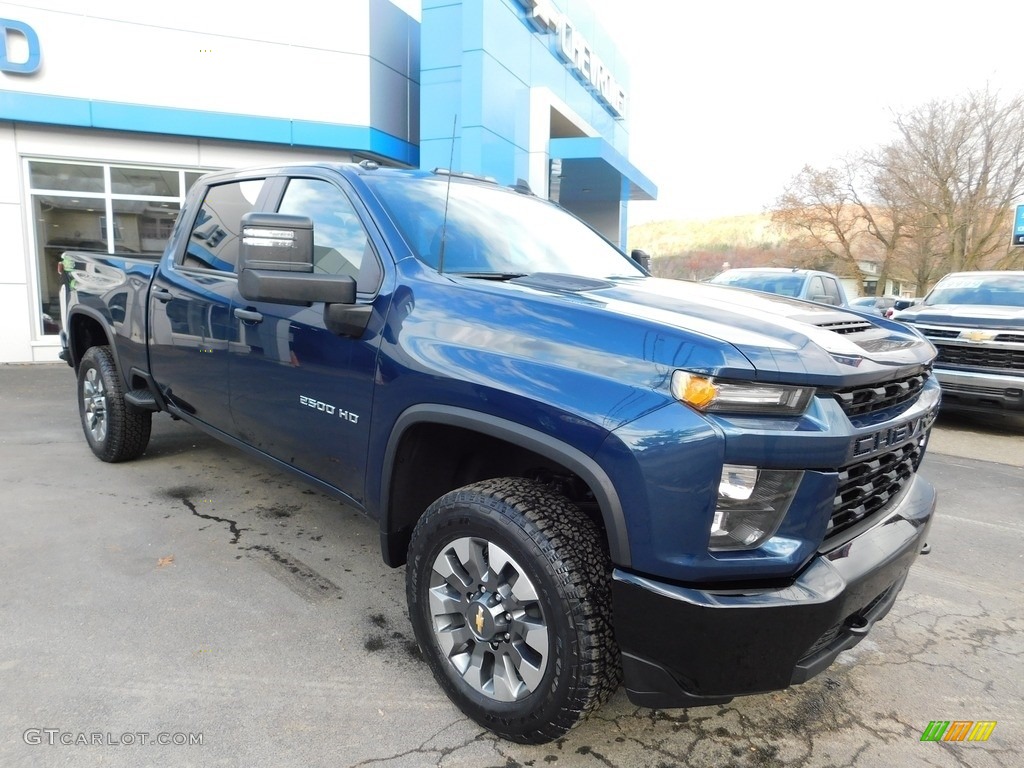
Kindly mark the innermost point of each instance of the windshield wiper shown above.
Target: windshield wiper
(489, 275)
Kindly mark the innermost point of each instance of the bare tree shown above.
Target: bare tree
(960, 165)
(819, 208)
(938, 198)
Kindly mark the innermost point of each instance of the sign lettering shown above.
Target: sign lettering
(19, 48)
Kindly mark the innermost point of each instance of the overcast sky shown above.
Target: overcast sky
(729, 99)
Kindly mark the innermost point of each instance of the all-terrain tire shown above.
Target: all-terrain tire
(115, 430)
(500, 542)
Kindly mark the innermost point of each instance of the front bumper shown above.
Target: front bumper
(978, 390)
(684, 647)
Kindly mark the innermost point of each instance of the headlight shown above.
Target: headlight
(751, 505)
(708, 394)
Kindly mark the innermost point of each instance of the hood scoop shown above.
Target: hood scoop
(554, 281)
(846, 326)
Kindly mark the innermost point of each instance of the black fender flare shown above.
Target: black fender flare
(540, 443)
(92, 314)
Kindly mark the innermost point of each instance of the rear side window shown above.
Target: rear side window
(213, 242)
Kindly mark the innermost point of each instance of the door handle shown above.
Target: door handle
(161, 294)
(248, 315)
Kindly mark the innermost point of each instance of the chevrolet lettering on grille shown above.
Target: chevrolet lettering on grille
(886, 438)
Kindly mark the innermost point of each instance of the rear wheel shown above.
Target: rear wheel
(509, 596)
(115, 430)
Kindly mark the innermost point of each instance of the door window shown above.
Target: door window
(340, 243)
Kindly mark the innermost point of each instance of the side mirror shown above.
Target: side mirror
(275, 263)
(643, 258)
(276, 241)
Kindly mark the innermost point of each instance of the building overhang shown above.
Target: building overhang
(92, 113)
(592, 169)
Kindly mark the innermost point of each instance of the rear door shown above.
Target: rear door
(298, 391)
(191, 327)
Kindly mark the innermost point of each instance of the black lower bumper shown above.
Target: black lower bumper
(685, 647)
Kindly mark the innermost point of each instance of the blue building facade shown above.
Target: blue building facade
(531, 90)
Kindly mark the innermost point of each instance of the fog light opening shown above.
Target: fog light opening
(751, 505)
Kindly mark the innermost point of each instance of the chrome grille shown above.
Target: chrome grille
(982, 357)
(940, 333)
(857, 401)
(866, 487)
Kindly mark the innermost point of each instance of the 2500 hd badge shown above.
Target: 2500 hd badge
(330, 410)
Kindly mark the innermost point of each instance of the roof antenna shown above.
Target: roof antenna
(447, 194)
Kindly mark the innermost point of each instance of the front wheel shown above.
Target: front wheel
(115, 430)
(509, 596)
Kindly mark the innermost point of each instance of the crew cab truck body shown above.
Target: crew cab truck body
(587, 471)
(976, 321)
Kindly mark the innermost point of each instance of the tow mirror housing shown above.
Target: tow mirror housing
(643, 258)
(275, 263)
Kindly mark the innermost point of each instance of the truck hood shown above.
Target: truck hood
(967, 315)
(782, 339)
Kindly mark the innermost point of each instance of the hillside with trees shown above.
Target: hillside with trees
(938, 198)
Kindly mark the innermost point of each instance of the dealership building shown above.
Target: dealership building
(109, 111)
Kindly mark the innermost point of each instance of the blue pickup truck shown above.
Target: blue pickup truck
(590, 474)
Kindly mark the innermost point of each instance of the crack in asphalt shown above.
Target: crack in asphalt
(423, 749)
(184, 495)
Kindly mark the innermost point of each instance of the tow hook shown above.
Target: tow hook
(926, 549)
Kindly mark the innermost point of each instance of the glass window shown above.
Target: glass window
(143, 226)
(190, 179)
(70, 205)
(213, 243)
(63, 224)
(816, 290)
(143, 181)
(832, 291)
(493, 231)
(340, 244)
(66, 176)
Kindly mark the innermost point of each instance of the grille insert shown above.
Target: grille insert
(866, 487)
(857, 401)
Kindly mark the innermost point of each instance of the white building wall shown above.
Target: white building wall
(308, 72)
(19, 291)
(307, 60)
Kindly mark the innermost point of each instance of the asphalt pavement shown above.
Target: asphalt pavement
(198, 597)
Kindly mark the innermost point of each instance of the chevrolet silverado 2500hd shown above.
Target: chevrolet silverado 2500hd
(588, 473)
(976, 321)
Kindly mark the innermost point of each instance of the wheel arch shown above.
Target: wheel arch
(87, 328)
(397, 519)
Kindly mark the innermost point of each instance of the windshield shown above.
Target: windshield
(770, 282)
(493, 231)
(1005, 290)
